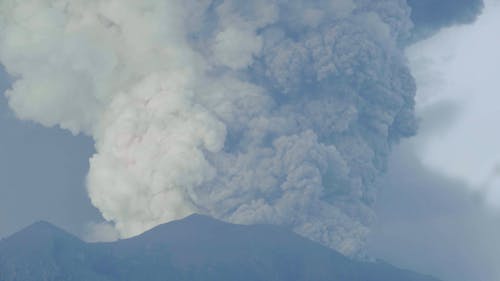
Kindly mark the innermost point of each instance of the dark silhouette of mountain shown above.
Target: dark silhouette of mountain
(195, 248)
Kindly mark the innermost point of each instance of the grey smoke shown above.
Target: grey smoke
(431, 15)
(278, 112)
(433, 224)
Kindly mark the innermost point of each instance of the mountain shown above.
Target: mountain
(195, 248)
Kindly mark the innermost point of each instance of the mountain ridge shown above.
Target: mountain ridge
(194, 248)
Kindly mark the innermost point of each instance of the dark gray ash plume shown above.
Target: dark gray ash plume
(278, 112)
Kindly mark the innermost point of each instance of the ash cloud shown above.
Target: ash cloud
(279, 112)
(431, 15)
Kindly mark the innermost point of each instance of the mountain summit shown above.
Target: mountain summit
(195, 248)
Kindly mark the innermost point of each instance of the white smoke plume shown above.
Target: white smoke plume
(259, 111)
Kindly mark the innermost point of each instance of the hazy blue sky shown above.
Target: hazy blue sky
(434, 224)
(42, 173)
(439, 206)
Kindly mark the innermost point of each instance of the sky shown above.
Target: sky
(42, 174)
(438, 209)
(457, 69)
(434, 224)
(443, 183)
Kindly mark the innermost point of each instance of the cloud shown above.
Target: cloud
(100, 232)
(249, 111)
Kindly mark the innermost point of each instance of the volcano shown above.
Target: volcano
(194, 248)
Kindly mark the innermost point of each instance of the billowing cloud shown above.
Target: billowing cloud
(278, 112)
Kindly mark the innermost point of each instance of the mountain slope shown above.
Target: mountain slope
(195, 248)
